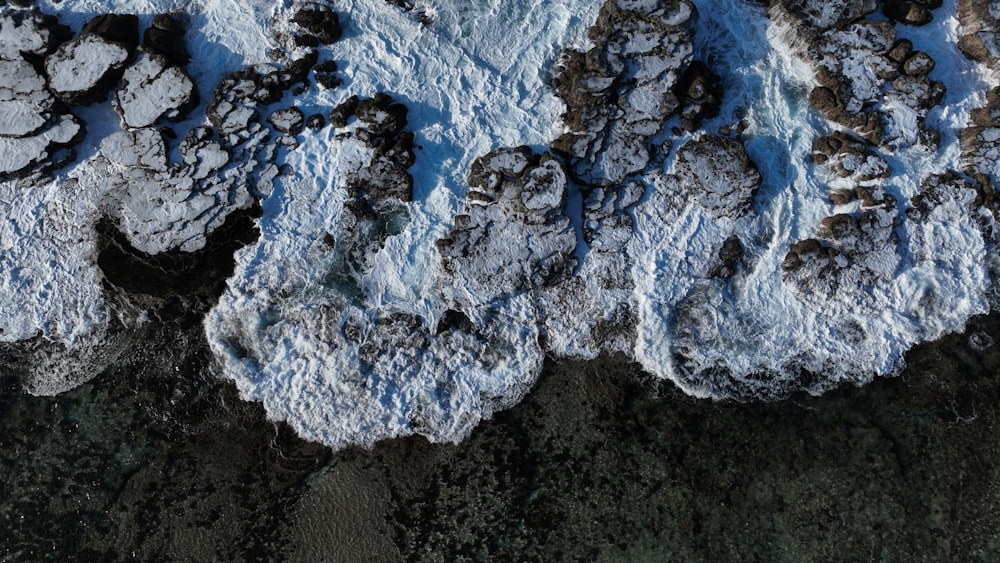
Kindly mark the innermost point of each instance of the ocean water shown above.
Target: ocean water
(274, 333)
(472, 84)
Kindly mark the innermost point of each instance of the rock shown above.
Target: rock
(730, 256)
(139, 148)
(381, 115)
(719, 175)
(821, 15)
(165, 37)
(900, 50)
(849, 157)
(910, 13)
(516, 237)
(152, 89)
(343, 112)
(35, 134)
(851, 253)
(83, 70)
(122, 29)
(841, 197)
(236, 99)
(30, 33)
(979, 38)
(288, 120)
(918, 64)
(320, 21)
(326, 74)
(700, 94)
(638, 53)
(316, 121)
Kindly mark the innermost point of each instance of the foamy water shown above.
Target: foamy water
(322, 356)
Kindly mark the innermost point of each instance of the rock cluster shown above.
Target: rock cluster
(850, 158)
(850, 252)
(152, 88)
(81, 71)
(718, 174)
(619, 93)
(869, 81)
(376, 153)
(36, 130)
(513, 235)
(980, 31)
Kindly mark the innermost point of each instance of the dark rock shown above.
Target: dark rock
(719, 174)
(320, 21)
(730, 256)
(900, 50)
(381, 114)
(910, 13)
(166, 38)
(117, 28)
(700, 93)
(343, 112)
(306, 40)
(288, 120)
(918, 64)
(315, 121)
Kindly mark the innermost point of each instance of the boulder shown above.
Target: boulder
(83, 70)
(152, 88)
(718, 175)
(165, 37)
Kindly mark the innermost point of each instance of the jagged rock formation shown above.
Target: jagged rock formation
(850, 253)
(513, 235)
(36, 130)
(619, 93)
(849, 158)
(376, 180)
(718, 174)
(152, 88)
(82, 71)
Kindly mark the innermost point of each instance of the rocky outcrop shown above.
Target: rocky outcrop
(513, 235)
(980, 31)
(378, 152)
(619, 93)
(718, 175)
(82, 71)
(849, 254)
(700, 94)
(152, 89)
(981, 145)
(868, 81)
(36, 131)
(849, 158)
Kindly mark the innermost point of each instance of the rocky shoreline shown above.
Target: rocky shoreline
(163, 449)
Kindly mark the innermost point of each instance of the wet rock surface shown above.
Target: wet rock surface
(36, 130)
(513, 235)
(152, 89)
(719, 175)
(619, 93)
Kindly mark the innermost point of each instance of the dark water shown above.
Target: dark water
(158, 460)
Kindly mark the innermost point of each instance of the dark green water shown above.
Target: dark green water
(156, 460)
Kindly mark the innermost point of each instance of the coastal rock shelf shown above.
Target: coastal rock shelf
(747, 201)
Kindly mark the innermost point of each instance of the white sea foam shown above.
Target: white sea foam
(355, 361)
